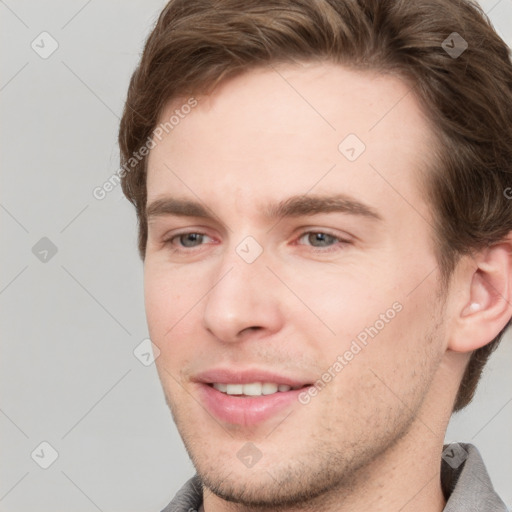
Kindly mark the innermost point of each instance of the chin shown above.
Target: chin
(261, 490)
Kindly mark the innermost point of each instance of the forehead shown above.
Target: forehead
(291, 129)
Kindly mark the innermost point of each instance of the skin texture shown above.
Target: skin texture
(372, 437)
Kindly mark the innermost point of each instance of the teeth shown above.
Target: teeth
(252, 388)
(269, 388)
(235, 389)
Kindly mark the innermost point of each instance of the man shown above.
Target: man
(320, 189)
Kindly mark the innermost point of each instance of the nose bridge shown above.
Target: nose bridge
(240, 296)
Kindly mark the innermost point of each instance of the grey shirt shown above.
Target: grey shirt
(466, 487)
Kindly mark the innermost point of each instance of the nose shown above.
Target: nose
(243, 298)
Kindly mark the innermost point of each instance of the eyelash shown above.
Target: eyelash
(331, 248)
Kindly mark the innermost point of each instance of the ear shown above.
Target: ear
(484, 306)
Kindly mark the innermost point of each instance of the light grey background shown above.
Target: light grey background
(70, 324)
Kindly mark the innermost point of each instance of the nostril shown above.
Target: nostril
(254, 328)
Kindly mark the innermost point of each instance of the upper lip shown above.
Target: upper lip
(246, 376)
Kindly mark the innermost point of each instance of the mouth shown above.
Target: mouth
(248, 397)
(253, 389)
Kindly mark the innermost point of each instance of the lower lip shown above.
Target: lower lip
(247, 410)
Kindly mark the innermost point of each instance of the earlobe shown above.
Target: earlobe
(486, 306)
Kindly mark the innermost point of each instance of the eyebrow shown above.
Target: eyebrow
(295, 206)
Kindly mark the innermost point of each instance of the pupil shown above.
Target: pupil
(190, 238)
(323, 238)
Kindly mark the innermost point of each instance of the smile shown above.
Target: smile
(253, 388)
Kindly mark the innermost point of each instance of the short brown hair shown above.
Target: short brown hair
(468, 98)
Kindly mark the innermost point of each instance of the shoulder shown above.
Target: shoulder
(189, 498)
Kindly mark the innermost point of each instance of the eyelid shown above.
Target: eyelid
(342, 236)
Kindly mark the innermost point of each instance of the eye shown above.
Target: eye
(187, 240)
(320, 239)
(314, 239)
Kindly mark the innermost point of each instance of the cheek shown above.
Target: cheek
(157, 304)
(372, 314)
(166, 305)
(168, 295)
(403, 342)
(340, 301)
(385, 378)
(174, 308)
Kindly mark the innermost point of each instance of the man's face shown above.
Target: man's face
(240, 296)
